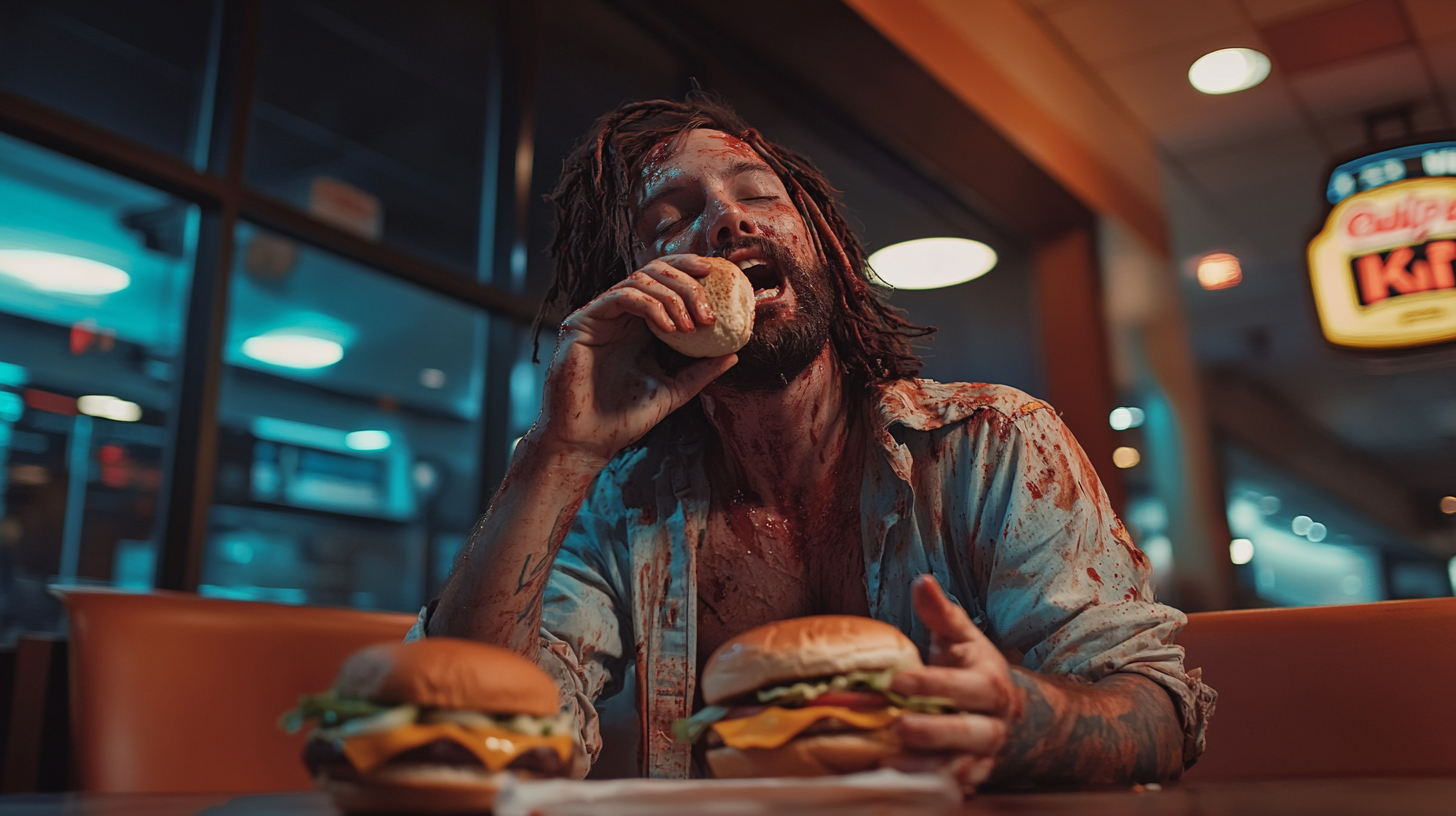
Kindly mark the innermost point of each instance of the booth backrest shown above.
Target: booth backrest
(173, 692)
(1366, 690)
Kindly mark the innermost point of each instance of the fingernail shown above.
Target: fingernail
(980, 773)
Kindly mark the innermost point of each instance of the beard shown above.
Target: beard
(789, 338)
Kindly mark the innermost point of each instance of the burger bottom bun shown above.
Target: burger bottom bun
(816, 755)
(415, 789)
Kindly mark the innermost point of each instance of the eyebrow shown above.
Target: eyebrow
(735, 170)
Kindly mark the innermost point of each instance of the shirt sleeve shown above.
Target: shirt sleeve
(585, 625)
(1063, 582)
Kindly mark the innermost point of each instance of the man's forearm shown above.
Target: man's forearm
(494, 593)
(1122, 729)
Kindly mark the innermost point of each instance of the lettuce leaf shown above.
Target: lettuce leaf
(689, 730)
(802, 693)
(328, 710)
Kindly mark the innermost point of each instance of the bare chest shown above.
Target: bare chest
(757, 566)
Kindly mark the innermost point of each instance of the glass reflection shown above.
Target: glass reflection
(94, 271)
(349, 431)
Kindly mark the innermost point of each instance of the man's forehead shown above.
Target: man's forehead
(700, 152)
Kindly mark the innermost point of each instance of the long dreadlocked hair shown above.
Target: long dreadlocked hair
(592, 248)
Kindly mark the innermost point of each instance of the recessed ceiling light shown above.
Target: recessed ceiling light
(1228, 70)
(62, 274)
(109, 407)
(367, 440)
(1219, 270)
(932, 263)
(291, 349)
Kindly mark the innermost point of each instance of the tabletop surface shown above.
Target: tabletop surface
(1304, 797)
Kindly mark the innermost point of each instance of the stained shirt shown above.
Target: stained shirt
(981, 486)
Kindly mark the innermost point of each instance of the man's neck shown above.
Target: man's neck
(786, 445)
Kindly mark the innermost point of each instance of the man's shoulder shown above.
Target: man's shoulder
(926, 405)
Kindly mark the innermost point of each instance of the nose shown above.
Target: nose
(728, 222)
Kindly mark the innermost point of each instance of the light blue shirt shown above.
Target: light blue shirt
(980, 485)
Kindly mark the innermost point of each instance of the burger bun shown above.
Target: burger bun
(803, 648)
(816, 755)
(415, 789)
(449, 673)
(730, 296)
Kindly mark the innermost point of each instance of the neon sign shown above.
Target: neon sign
(1382, 267)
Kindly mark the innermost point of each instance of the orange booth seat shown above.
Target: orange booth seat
(1361, 690)
(174, 692)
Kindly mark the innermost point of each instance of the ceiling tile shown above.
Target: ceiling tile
(1442, 55)
(1368, 84)
(1265, 11)
(1334, 35)
(1112, 30)
(1431, 19)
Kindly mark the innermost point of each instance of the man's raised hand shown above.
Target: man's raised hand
(604, 388)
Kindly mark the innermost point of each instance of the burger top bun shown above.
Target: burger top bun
(803, 648)
(449, 673)
(731, 297)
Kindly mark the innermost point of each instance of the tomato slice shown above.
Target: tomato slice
(850, 699)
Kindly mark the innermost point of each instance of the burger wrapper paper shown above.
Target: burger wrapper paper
(874, 792)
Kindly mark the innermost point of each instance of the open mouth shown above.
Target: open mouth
(764, 278)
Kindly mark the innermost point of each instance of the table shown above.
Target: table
(1303, 797)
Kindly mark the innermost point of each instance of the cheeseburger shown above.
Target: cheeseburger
(805, 697)
(432, 726)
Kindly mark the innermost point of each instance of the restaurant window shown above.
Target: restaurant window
(372, 115)
(349, 432)
(1295, 545)
(140, 68)
(94, 275)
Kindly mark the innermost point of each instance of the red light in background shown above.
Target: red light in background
(54, 403)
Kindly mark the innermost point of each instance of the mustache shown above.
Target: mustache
(771, 251)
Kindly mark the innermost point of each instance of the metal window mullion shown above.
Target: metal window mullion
(192, 459)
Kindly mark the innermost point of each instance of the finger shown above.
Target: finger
(671, 300)
(617, 302)
(695, 376)
(944, 619)
(962, 733)
(686, 287)
(695, 265)
(970, 690)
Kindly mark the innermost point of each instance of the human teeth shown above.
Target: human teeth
(749, 264)
(764, 294)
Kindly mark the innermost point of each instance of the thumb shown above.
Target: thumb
(946, 621)
(695, 376)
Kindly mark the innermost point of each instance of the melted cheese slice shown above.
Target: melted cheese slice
(775, 726)
(494, 747)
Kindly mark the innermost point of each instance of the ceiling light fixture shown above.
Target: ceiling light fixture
(367, 440)
(109, 407)
(1228, 70)
(289, 348)
(1219, 270)
(62, 274)
(1241, 551)
(932, 263)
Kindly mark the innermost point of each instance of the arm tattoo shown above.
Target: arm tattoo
(1119, 730)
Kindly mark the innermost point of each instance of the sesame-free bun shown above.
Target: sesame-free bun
(816, 755)
(731, 297)
(801, 649)
(449, 673)
(415, 789)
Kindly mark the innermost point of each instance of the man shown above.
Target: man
(660, 505)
